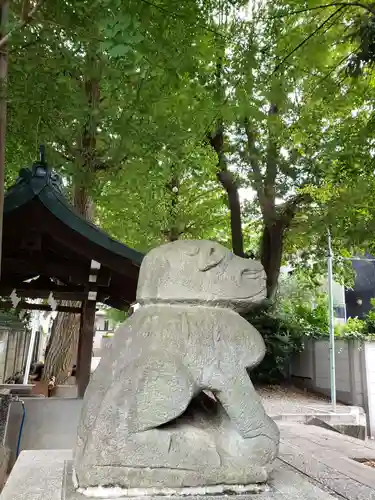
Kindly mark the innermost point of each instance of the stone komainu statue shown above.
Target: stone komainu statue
(171, 403)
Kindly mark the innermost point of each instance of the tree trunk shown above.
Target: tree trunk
(61, 351)
(82, 202)
(63, 345)
(227, 181)
(173, 233)
(273, 237)
(276, 219)
(271, 253)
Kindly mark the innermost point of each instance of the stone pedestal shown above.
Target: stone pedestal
(45, 475)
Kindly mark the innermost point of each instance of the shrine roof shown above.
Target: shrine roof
(46, 185)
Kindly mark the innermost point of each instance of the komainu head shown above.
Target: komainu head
(199, 271)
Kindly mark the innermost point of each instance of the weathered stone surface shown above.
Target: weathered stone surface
(145, 420)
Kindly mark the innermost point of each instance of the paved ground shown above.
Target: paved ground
(313, 464)
(334, 462)
(288, 400)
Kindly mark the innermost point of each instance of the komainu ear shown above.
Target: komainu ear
(210, 257)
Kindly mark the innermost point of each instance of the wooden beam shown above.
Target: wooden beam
(66, 271)
(104, 276)
(35, 285)
(120, 299)
(44, 294)
(7, 304)
(85, 346)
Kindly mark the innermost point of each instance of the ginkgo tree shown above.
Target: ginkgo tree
(109, 88)
(283, 94)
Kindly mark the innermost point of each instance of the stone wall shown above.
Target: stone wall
(369, 383)
(50, 423)
(355, 372)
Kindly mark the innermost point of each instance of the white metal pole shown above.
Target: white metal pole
(34, 329)
(331, 325)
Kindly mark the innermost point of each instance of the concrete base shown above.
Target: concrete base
(65, 391)
(50, 424)
(4, 465)
(349, 415)
(70, 493)
(43, 475)
(347, 420)
(355, 431)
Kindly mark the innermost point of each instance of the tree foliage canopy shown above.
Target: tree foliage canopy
(251, 123)
(126, 94)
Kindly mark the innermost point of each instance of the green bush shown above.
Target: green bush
(282, 339)
(302, 302)
(370, 319)
(354, 328)
(299, 311)
(116, 316)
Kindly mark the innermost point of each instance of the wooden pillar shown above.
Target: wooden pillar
(86, 338)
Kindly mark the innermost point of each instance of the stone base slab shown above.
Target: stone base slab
(70, 492)
(45, 475)
(4, 464)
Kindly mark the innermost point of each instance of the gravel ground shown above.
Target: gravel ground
(283, 400)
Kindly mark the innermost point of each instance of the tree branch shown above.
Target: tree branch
(63, 155)
(70, 152)
(271, 168)
(228, 181)
(181, 16)
(259, 183)
(369, 8)
(26, 45)
(291, 207)
(305, 40)
(333, 68)
(26, 18)
(252, 155)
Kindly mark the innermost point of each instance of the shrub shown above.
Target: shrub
(299, 311)
(282, 339)
(354, 328)
(370, 319)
